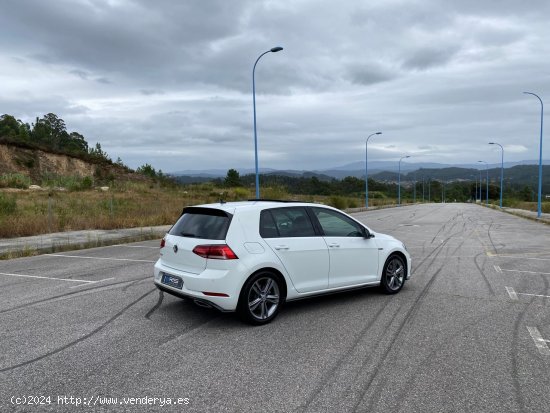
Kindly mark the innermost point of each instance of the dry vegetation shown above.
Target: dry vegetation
(26, 212)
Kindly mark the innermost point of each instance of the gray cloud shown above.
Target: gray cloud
(428, 58)
(172, 82)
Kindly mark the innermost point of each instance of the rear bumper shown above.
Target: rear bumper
(194, 286)
(199, 301)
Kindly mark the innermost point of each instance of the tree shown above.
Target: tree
(97, 152)
(13, 128)
(147, 170)
(233, 178)
(54, 131)
(77, 143)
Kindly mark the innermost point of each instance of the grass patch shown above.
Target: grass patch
(14, 181)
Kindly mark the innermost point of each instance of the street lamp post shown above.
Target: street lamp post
(479, 187)
(540, 151)
(501, 170)
(414, 196)
(272, 50)
(487, 183)
(366, 168)
(422, 189)
(399, 181)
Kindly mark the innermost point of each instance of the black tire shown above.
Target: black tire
(261, 298)
(393, 274)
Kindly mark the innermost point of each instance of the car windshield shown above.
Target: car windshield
(202, 223)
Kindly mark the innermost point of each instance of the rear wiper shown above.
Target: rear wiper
(188, 234)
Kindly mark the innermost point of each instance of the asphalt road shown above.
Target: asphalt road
(470, 332)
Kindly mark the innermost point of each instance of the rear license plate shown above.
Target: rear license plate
(172, 281)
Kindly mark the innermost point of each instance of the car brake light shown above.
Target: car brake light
(162, 243)
(216, 252)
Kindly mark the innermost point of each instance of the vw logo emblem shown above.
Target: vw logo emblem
(175, 249)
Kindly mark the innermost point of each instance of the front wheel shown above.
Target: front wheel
(260, 299)
(393, 275)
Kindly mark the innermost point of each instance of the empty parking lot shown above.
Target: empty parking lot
(469, 332)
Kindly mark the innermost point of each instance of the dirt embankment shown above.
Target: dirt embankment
(37, 164)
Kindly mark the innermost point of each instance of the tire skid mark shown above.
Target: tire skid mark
(491, 238)
(187, 330)
(156, 306)
(75, 293)
(409, 315)
(331, 372)
(130, 285)
(75, 342)
(405, 323)
(438, 349)
(514, 350)
(487, 283)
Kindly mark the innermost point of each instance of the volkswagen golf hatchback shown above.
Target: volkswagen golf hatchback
(251, 257)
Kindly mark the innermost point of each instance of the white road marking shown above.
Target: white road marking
(135, 246)
(517, 256)
(526, 272)
(512, 293)
(535, 295)
(497, 269)
(96, 258)
(444, 257)
(49, 278)
(540, 343)
(94, 282)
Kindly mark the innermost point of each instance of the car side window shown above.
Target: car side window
(286, 222)
(335, 224)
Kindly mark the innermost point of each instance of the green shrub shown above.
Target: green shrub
(338, 202)
(352, 203)
(241, 194)
(86, 183)
(14, 181)
(274, 192)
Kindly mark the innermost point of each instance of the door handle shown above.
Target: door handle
(281, 247)
(334, 245)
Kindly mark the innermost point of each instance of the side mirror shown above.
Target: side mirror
(367, 234)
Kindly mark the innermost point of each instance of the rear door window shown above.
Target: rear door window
(204, 223)
(286, 222)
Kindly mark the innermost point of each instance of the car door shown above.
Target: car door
(289, 232)
(353, 258)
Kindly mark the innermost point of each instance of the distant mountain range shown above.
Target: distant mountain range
(380, 170)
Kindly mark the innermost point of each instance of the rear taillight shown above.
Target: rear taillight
(162, 243)
(216, 252)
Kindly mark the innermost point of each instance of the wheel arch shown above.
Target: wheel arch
(400, 255)
(275, 271)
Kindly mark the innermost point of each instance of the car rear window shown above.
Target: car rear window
(202, 223)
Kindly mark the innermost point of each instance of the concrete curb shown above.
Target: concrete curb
(59, 241)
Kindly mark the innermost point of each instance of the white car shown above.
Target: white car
(253, 256)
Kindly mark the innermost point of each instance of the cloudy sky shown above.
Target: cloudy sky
(169, 83)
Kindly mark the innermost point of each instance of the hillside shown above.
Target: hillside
(39, 165)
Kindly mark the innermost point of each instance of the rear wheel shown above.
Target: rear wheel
(260, 298)
(393, 275)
